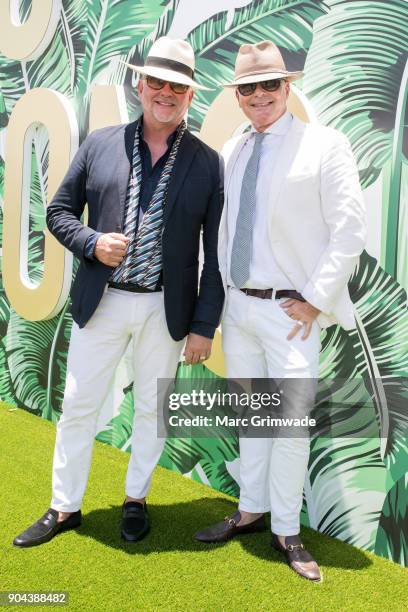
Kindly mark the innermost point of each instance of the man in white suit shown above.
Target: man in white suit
(291, 233)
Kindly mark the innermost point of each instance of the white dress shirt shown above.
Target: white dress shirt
(264, 272)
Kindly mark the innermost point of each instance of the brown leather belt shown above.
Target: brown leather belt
(267, 294)
(133, 287)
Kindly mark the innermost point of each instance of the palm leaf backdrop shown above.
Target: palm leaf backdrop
(402, 242)
(353, 72)
(356, 75)
(36, 356)
(3, 113)
(1, 191)
(381, 353)
(58, 67)
(6, 387)
(392, 534)
(361, 445)
(288, 22)
(355, 53)
(205, 459)
(119, 429)
(135, 53)
(74, 22)
(7, 392)
(38, 203)
(113, 26)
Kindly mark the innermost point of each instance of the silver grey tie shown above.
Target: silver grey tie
(242, 243)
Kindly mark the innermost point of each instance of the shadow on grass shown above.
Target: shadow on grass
(173, 527)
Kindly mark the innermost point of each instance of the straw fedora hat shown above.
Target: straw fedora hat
(170, 59)
(260, 62)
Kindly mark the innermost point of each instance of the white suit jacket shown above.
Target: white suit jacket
(316, 216)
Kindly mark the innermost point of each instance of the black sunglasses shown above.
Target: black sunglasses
(248, 88)
(157, 84)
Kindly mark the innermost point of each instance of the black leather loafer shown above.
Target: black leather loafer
(46, 528)
(135, 521)
(298, 558)
(229, 528)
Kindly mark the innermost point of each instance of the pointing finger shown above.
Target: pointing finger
(307, 330)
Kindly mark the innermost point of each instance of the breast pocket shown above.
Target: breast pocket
(301, 177)
(300, 189)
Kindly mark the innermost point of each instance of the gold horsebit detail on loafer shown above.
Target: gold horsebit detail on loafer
(230, 521)
(292, 547)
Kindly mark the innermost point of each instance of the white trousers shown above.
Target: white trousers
(94, 353)
(272, 470)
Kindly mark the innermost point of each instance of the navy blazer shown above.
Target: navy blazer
(99, 176)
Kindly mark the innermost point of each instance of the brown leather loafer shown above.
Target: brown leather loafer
(298, 558)
(229, 528)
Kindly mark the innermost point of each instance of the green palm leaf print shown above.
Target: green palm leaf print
(119, 429)
(381, 352)
(57, 68)
(204, 458)
(113, 26)
(36, 355)
(288, 23)
(363, 374)
(392, 535)
(3, 121)
(353, 73)
(7, 393)
(356, 75)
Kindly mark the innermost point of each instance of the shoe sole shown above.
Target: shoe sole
(137, 538)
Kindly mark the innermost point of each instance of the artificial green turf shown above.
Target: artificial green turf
(168, 570)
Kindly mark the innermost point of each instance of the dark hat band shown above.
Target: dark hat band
(162, 62)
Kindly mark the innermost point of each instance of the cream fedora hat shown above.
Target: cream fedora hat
(170, 59)
(260, 62)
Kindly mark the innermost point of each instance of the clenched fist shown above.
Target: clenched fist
(111, 248)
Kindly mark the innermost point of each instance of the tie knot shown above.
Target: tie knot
(259, 136)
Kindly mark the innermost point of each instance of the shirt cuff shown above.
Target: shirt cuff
(89, 247)
(202, 329)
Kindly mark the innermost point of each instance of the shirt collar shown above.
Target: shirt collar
(280, 127)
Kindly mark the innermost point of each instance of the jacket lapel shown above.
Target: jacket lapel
(230, 157)
(124, 162)
(283, 163)
(187, 150)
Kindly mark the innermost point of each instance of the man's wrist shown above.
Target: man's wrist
(202, 329)
(90, 245)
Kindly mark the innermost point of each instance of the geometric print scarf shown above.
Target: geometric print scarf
(142, 263)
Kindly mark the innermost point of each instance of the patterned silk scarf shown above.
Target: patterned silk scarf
(142, 264)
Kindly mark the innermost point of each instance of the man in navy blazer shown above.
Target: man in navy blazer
(151, 189)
